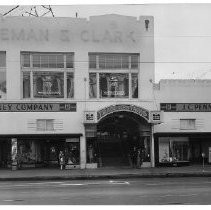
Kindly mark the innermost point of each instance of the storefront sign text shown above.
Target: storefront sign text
(123, 107)
(37, 107)
(186, 107)
(44, 35)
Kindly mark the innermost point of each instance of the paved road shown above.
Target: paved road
(126, 192)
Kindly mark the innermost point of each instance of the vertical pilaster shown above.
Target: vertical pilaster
(82, 152)
(152, 145)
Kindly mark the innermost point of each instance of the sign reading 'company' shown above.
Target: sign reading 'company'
(185, 107)
(37, 107)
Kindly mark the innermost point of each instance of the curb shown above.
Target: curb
(97, 177)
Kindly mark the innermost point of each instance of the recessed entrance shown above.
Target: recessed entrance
(117, 135)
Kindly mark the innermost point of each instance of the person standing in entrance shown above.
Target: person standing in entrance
(134, 157)
(61, 160)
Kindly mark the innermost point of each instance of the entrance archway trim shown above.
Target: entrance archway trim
(144, 113)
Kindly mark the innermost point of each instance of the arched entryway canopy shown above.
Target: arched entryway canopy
(119, 129)
(143, 113)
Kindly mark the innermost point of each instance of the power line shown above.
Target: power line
(35, 11)
(10, 10)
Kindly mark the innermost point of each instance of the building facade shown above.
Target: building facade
(184, 135)
(86, 87)
(79, 86)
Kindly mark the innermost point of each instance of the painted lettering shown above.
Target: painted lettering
(85, 36)
(4, 33)
(20, 35)
(44, 35)
(31, 35)
(64, 35)
(107, 37)
(130, 36)
(94, 37)
(118, 36)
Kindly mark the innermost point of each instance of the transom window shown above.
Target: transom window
(47, 60)
(104, 82)
(47, 75)
(187, 124)
(113, 61)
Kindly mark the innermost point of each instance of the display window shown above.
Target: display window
(72, 152)
(105, 83)
(173, 149)
(114, 85)
(27, 153)
(47, 75)
(48, 84)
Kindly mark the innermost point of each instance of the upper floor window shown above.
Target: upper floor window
(113, 61)
(47, 75)
(104, 82)
(47, 60)
(187, 124)
(45, 124)
(2, 74)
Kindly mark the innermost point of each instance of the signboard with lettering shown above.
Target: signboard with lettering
(156, 117)
(123, 107)
(37, 107)
(89, 117)
(185, 107)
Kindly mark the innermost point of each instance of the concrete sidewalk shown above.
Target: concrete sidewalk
(103, 173)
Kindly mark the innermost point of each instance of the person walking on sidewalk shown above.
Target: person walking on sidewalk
(61, 160)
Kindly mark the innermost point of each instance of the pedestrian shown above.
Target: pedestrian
(91, 154)
(134, 157)
(61, 160)
(139, 158)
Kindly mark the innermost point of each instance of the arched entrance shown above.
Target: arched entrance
(118, 132)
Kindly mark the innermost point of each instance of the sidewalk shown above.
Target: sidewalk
(103, 173)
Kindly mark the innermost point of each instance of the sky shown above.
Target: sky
(182, 34)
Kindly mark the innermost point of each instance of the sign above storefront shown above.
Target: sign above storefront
(185, 107)
(37, 107)
(125, 108)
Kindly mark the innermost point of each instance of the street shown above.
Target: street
(145, 191)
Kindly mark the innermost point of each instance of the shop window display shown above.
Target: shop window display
(114, 85)
(48, 85)
(47, 75)
(173, 150)
(27, 152)
(116, 75)
(72, 153)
